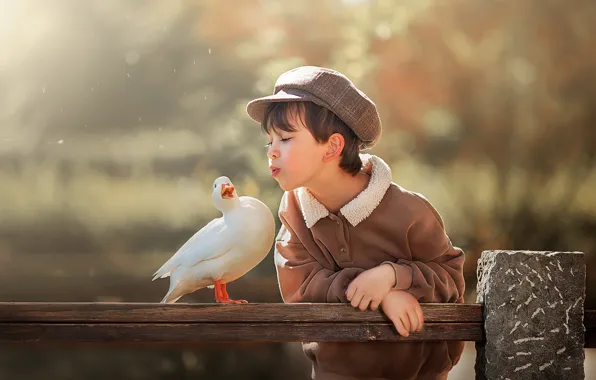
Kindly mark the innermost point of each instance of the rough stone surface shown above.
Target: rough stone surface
(533, 315)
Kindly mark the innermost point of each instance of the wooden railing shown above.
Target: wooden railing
(144, 323)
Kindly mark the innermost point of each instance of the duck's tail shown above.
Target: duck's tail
(164, 271)
(158, 274)
(172, 296)
(178, 287)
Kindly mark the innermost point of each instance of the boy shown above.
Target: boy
(348, 233)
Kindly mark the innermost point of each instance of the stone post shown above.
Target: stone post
(533, 315)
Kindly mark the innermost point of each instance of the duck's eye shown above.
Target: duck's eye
(214, 186)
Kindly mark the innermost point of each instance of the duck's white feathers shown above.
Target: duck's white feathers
(224, 250)
(199, 248)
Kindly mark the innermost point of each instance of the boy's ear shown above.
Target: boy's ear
(335, 146)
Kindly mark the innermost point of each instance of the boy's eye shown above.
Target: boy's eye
(282, 140)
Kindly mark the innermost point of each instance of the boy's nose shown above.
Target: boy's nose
(272, 152)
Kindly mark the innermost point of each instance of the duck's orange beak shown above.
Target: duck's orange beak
(227, 191)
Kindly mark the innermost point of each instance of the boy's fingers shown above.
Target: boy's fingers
(420, 318)
(414, 322)
(374, 305)
(364, 303)
(400, 327)
(405, 321)
(357, 298)
(350, 291)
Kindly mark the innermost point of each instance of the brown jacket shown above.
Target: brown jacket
(318, 253)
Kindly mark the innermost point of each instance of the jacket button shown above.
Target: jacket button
(342, 250)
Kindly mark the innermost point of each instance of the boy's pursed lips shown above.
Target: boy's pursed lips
(274, 170)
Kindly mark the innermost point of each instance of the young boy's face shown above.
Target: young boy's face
(295, 158)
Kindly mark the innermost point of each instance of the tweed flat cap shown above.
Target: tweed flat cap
(327, 88)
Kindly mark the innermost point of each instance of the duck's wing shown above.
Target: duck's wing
(209, 242)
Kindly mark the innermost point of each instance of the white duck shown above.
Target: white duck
(223, 250)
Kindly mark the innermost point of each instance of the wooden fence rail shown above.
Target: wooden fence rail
(156, 323)
(185, 323)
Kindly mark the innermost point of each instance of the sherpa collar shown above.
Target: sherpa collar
(360, 207)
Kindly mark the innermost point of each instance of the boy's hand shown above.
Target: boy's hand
(371, 286)
(404, 311)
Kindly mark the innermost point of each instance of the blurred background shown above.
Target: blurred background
(116, 117)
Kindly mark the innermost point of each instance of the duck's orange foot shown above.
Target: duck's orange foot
(221, 294)
(232, 301)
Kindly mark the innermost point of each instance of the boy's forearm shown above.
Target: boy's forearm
(312, 283)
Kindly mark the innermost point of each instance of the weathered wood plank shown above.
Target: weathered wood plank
(193, 323)
(229, 332)
(250, 313)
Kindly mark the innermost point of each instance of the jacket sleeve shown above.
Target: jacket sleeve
(436, 265)
(301, 277)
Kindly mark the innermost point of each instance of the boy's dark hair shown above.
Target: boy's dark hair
(321, 123)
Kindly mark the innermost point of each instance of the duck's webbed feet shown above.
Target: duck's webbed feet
(221, 294)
